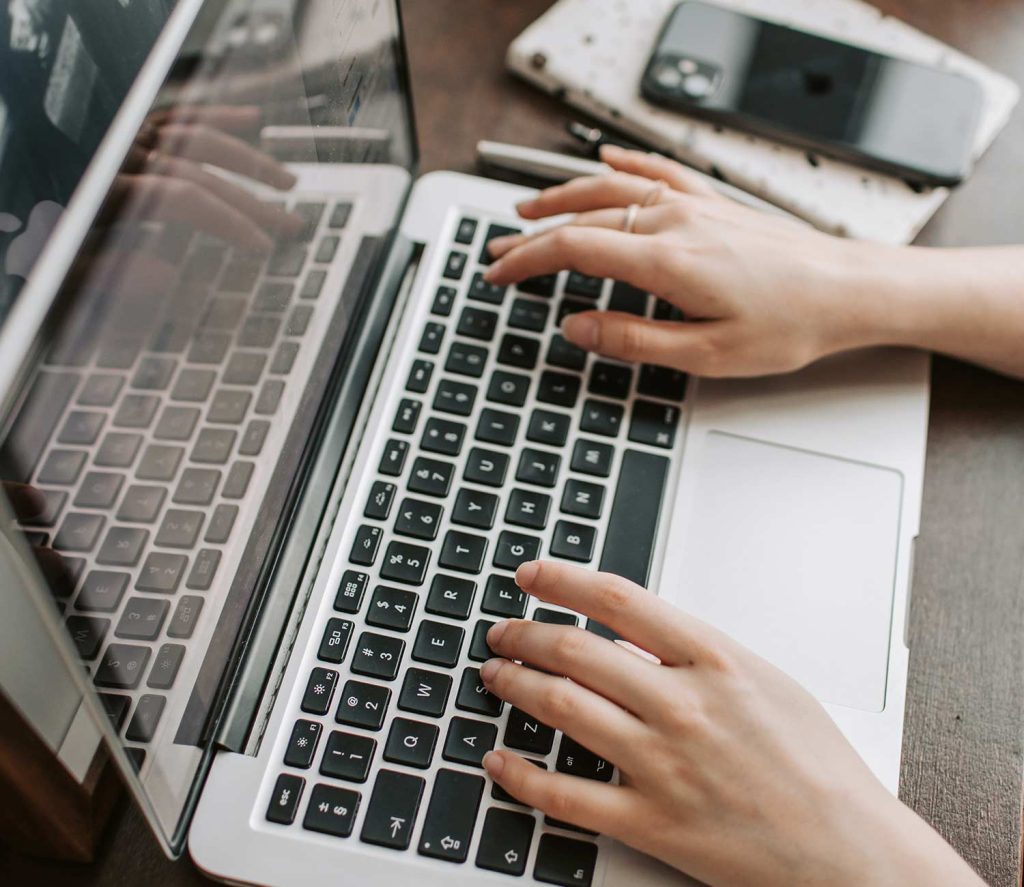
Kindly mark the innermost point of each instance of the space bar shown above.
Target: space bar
(633, 523)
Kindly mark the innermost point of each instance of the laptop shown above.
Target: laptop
(275, 448)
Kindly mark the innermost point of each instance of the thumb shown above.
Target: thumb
(633, 339)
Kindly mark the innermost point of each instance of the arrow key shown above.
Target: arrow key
(505, 841)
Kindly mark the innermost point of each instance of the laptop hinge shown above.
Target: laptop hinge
(258, 677)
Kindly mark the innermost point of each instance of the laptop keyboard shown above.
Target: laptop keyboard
(507, 443)
(151, 451)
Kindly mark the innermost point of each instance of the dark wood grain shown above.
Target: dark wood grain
(964, 741)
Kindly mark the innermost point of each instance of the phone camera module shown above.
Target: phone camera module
(698, 86)
(668, 76)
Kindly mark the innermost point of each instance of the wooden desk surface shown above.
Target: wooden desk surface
(964, 740)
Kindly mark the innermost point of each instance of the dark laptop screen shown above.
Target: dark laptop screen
(65, 67)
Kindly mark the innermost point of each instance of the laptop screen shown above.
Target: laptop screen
(197, 200)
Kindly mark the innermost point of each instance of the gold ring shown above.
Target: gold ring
(654, 195)
(632, 211)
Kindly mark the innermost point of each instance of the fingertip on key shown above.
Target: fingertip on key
(582, 330)
(494, 764)
(526, 575)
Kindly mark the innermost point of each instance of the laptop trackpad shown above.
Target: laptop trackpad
(794, 555)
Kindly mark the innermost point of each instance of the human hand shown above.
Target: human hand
(760, 294)
(729, 770)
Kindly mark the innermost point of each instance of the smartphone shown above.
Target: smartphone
(884, 113)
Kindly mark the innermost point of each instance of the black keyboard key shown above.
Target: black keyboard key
(514, 549)
(502, 597)
(380, 500)
(100, 390)
(559, 389)
(450, 596)
(87, 633)
(479, 650)
(116, 708)
(548, 428)
(286, 261)
(554, 617)
(482, 291)
(405, 563)
(79, 532)
(197, 486)
(654, 424)
(316, 700)
(443, 301)
(391, 814)
(62, 467)
(466, 360)
(419, 376)
(451, 815)
(274, 296)
(486, 467)
(518, 351)
(284, 358)
(339, 217)
(418, 519)
(475, 323)
(443, 437)
(505, 841)
(99, 489)
(118, 450)
(302, 744)
(237, 481)
(165, 666)
(162, 572)
(494, 231)
(123, 546)
(102, 590)
(259, 331)
(203, 570)
(407, 417)
(576, 760)
(466, 231)
(455, 265)
(581, 285)
(542, 285)
(331, 810)
(392, 608)
(431, 477)
(411, 743)
(627, 299)
(497, 427)
(365, 545)
(49, 505)
(527, 508)
(334, 643)
(146, 718)
(313, 285)
(538, 467)
(524, 732)
(565, 861)
(425, 692)
(363, 705)
(573, 541)
(81, 427)
(438, 643)
(348, 756)
(475, 697)
(326, 249)
(284, 801)
(667, 311)
(571, 306)
(468, 741)
(179, 529)
(508, 388)
(141, 504)
(454, 397)
(350, 592)
(582, 499)
(562, 353)
(663, 382)
(474, 508)
(601, 417)
(430, 341)
(463, 552)
(526, 314)
(610, 380)
(633, 522)
(213, 446)
(142, 619)
(591, 457)
(121, 666)
(378, 656)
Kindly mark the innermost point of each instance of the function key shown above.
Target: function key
(662, 382)
(527, 508)
(331, 810)
(339, 215)
(538, 467)
(455, 265)
(571, 306)
(475, 323)
(334, 643)
(468, 741)
(497, 427)
(466, 231)
(418, 519)
(204, 568)
(454, 397)
(310, 213)
(444, 437)
(407, 416)
(186, 614)
(302, 744)
(475, 697)
(365, 545)
(574, 542)
(466, 360)
(576, 760)
(326, 249)
(494, 231)
(565, 861)
(451, 816)
(505, 841)
(654, 424)
(610, 380)
(601, 417)
(411, 743)
(284, 800)
(348, 756)
(463, 552)
(450, 596)
(430, 341)
(528, 315)
(590, 457)
(438, 643)
(392, 608)
(425, 692)
(313, 284)
(504, 598)
(363, 705)
(405, 563)
(508, 388)
(542, 285)
(378, 656)
(514, 549)
(393, 460)
(350, 592)
(583, 285)
(486, 467)
(582, 499)
(482, 291)
(627, 299)
(391, 814)
(518, 351)
(165, 667)
(525, 733)
(559, 389)
(444, 301)
(378, 504)
(319, 691)
(548, 428)
(419, 376)
(431, 477)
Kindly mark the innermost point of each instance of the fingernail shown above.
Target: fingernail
(495, 633)
(581, 330)
(526, 575)
(525, 204)
(494, 764)
(491, 667)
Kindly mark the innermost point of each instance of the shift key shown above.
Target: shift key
(451, 816)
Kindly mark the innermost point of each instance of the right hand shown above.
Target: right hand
(760, 294)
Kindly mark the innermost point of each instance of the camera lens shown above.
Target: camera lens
(698, 86)
(668, 76)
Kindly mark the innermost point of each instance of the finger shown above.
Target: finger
(26, 502)
(640, 617)
(648, 221)
(656, 166)
(584, 657)
(55, 572)
(597, 806)
(587, 717)
(237, 119)
(596, 252)
(588, 193)
(622, 336)
(204, 144)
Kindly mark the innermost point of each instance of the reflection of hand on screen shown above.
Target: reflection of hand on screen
(28, 504)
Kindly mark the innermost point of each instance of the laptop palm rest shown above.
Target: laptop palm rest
(794, 554)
